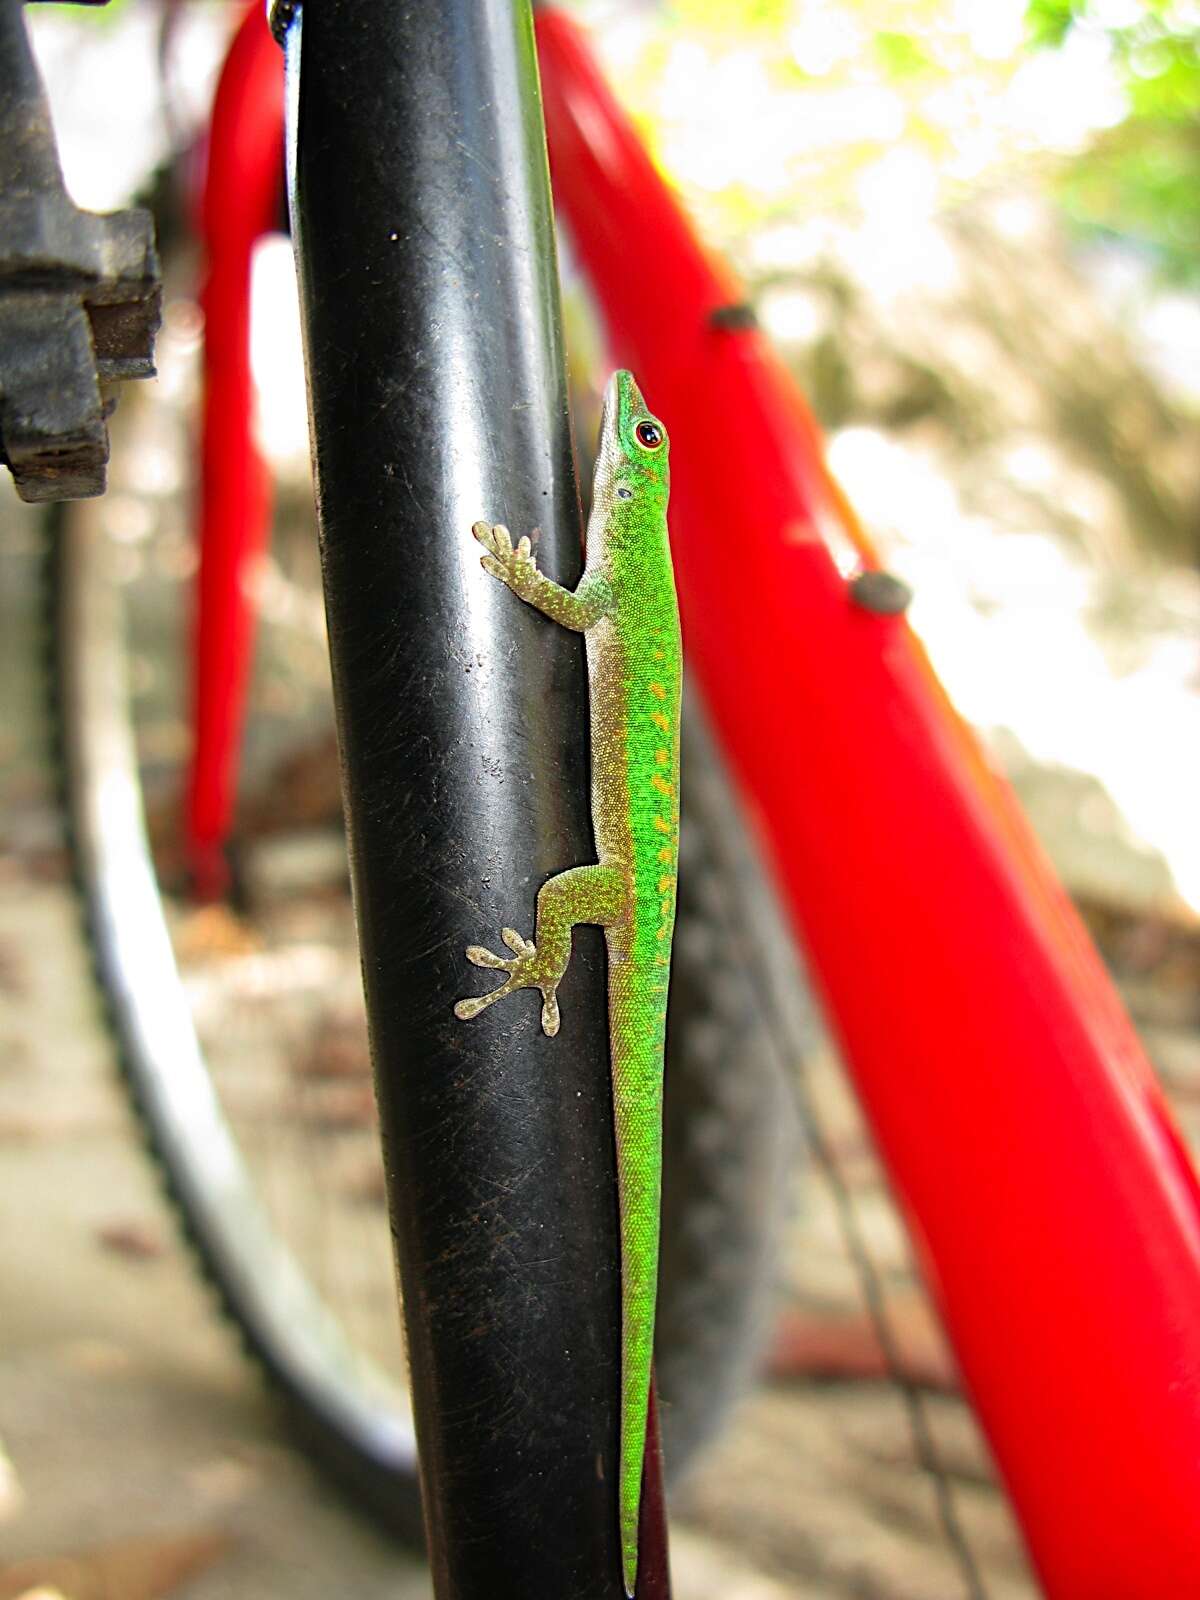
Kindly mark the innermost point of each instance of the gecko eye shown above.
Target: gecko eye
(649, 435)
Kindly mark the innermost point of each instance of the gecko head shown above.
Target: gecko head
(632, 468)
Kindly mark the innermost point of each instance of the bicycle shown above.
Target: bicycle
(929, 999)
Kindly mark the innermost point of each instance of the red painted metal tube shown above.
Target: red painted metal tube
(1053, 1207)
(240, 203)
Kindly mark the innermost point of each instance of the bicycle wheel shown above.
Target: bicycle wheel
(240, 1028)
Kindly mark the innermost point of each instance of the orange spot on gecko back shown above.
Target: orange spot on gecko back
(665, 855)
(661, 721)
(665, 883)
(657, 690)
(662, 824)
(661, 784)
(662, 757)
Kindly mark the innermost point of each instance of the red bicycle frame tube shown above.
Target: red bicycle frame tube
(240, 203)
(1053, 1207)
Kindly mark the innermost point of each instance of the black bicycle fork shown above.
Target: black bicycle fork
(421, 214)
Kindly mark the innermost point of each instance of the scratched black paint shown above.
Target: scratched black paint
(421, 209)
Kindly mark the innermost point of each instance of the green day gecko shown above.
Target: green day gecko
(625, 607)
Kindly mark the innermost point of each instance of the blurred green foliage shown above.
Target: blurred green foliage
(1140, 179)
(1096, 100)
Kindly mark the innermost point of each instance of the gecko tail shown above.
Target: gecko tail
(635, 1394)
(638, 1170)
(630, 1491)
(631, 1505)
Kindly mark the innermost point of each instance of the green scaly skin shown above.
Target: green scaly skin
(626, 609)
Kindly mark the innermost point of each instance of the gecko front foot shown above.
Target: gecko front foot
(514, 567)
(523, 972)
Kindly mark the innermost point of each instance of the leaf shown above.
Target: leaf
(1142, 181)
(1048, 22)
(131, 1238)
(902, 55)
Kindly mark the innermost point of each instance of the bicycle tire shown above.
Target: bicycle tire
(728, 1112)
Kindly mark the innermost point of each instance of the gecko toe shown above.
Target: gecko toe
(550, 1015)
(464, 1010)
(479, 956)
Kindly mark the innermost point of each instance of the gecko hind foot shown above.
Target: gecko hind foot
(520, 977)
